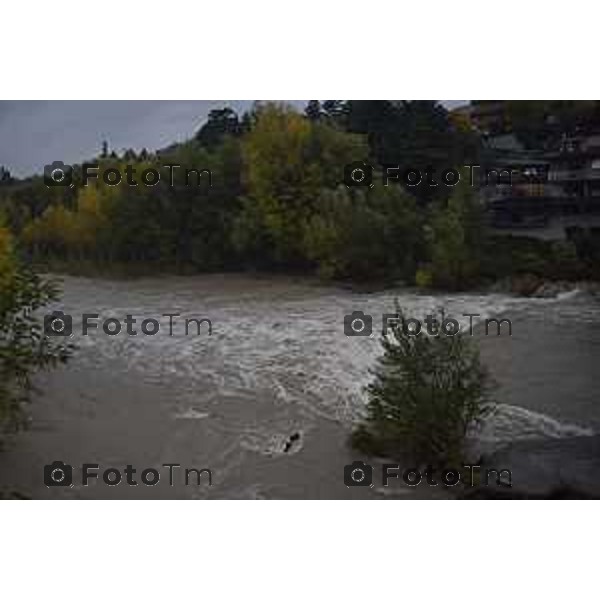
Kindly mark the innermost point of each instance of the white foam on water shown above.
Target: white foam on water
(569, 295)
(191, 413)
(291, 343)
(508, 423)
(270, 444)
(287, 343)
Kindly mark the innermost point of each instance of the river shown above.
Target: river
(267, 401)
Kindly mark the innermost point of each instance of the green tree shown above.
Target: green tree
(364, 234)
(5, 176)
(335, 112)
(198, 218)
(426, 393)
(287, 161)
(455, 238)
(24, 349)
(313, 110)
(416, 134)
(220, 123)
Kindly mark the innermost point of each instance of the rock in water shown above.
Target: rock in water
(549, 468)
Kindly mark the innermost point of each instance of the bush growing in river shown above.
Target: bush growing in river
(427, 391)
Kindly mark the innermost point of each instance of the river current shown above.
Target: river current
(267, 401)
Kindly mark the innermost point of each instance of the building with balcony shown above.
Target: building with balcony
(543, 184)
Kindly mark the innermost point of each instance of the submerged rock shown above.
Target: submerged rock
(551, 289)
(526, 284)
(290, 442)
(533, 286)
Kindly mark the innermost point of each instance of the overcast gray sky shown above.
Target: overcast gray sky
(35, 133)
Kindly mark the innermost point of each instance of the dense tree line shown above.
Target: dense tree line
(278, 199)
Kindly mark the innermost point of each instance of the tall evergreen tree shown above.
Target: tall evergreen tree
(313, 110)
(220, 123)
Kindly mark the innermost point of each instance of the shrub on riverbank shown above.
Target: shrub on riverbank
(427, 391)
(523, 258)
(24, 348)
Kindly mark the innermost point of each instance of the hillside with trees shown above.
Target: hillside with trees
(278, 201)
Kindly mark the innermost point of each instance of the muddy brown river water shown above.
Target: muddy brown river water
(267, 401)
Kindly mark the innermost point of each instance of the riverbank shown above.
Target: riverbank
(525, 285)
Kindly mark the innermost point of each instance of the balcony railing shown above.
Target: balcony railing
(573, 174)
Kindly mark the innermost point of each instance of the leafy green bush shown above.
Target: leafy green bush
(427, 391)
(24, 348)
(507, 256)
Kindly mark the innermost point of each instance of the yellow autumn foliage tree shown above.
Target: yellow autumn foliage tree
(72, 233)
(287, 161)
